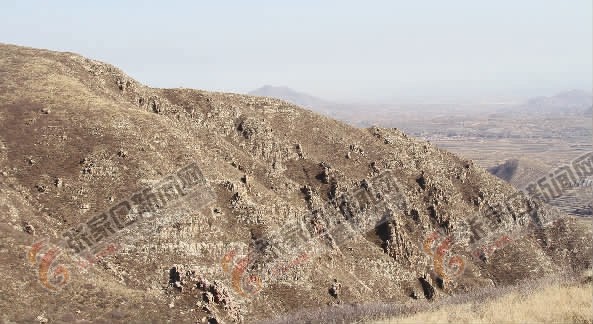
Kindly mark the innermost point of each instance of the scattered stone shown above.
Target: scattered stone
(29, 229)
(308, 191)
(220, 293)
(238, 166)
(333, 190)
(250, 127)
(123, 85)
(203, 284)
(208, 297)
(335, 289)
(176, 278)
(421, 181)
(356, 149)
(208, 309)
(156, 107)
(59, 182)
(324, 176)
(4, 174)
(427, 286)
(375, 167)
(42, 319)
(46, 110)
(299, 149)
(122, 153)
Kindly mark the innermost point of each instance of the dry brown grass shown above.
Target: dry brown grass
(555, 304)
(562, 298)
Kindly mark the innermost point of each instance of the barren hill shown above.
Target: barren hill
(77, 136)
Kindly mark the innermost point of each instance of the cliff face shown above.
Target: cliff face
(78, 136)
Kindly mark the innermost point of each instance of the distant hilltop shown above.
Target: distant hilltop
(292, 96)
(573, 99)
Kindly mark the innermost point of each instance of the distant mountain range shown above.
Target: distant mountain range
(569, 101)
(338, 111)
(578, 101)
(289, 95)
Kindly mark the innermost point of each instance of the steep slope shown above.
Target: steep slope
(77, 136)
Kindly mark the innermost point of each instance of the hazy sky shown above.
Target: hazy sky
(333, 49)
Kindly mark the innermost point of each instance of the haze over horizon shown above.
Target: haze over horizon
(338, 51)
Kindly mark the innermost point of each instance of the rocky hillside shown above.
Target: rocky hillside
(77, 136)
